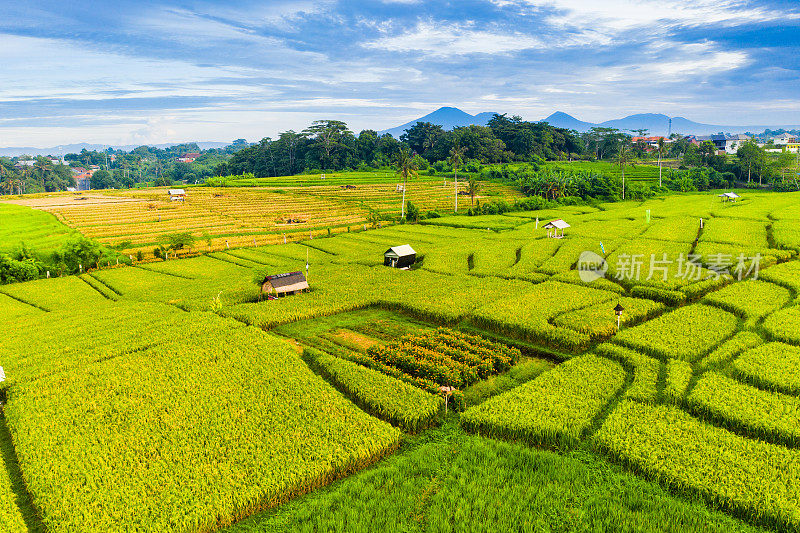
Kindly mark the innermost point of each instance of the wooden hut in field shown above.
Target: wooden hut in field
(399, 256)
(283, 284)
(556, 225)
(729, 196)
(177, 195)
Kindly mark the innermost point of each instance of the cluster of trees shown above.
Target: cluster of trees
(119, 169)
(567, 184)
(330, 145)
(76, 255)
(42, 176)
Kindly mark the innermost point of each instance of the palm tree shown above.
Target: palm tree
(456, 159)
(623, 159)
(405, 167)
(474, 187)
(43, 165)
(661, 145)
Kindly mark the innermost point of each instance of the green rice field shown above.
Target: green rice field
(491, 386)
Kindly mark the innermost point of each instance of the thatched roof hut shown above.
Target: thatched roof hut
(283, 284)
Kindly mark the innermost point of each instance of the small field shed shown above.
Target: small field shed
(399, 256)
(283, 284)
(177, 195)
(729, 196)
(556, 225)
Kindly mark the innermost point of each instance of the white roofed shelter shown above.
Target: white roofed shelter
(177, 194)
(399, 256)
(556, 225)
(729, 196)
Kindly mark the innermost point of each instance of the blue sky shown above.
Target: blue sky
(149, 71)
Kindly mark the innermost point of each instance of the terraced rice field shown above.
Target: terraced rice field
(168, 396)
(222, 218)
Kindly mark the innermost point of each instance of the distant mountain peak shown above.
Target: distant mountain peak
(446, 117)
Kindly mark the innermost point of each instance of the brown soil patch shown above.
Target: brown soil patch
(356, 339)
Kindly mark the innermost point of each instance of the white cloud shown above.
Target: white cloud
(443, 39)
(617, 16)
(36, 68)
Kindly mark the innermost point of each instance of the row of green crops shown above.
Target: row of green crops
(688, 333)
(785, 274)
(388, 398)
(527, 316)
(747, 476)
(188, 435)
(744, 340)
(679, 374)
(553, 410)
(749, 234)
(600, 322)
(11, 519)
(644, 386)
(751, 299)
(761, 414)
(784, 325)
(446, 358)
(773, 365)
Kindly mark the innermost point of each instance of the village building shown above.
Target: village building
(283, 284)
(725, 144)
(783, 139)
(729, 196)
(399, 256)
(189, 157)
(651, 143)
(83, 178)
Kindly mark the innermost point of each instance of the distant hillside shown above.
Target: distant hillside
(560, 119)
(13, 151)
(655, 124)
(447, 117)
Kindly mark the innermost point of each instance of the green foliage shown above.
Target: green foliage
(412, 212)
(786, 274)
(676, 334)
(773, 365)
(386, 397)
(13, 271)
(553, 410)
(743, 475)
(179, 241)
(11, 517)
(761, 414)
